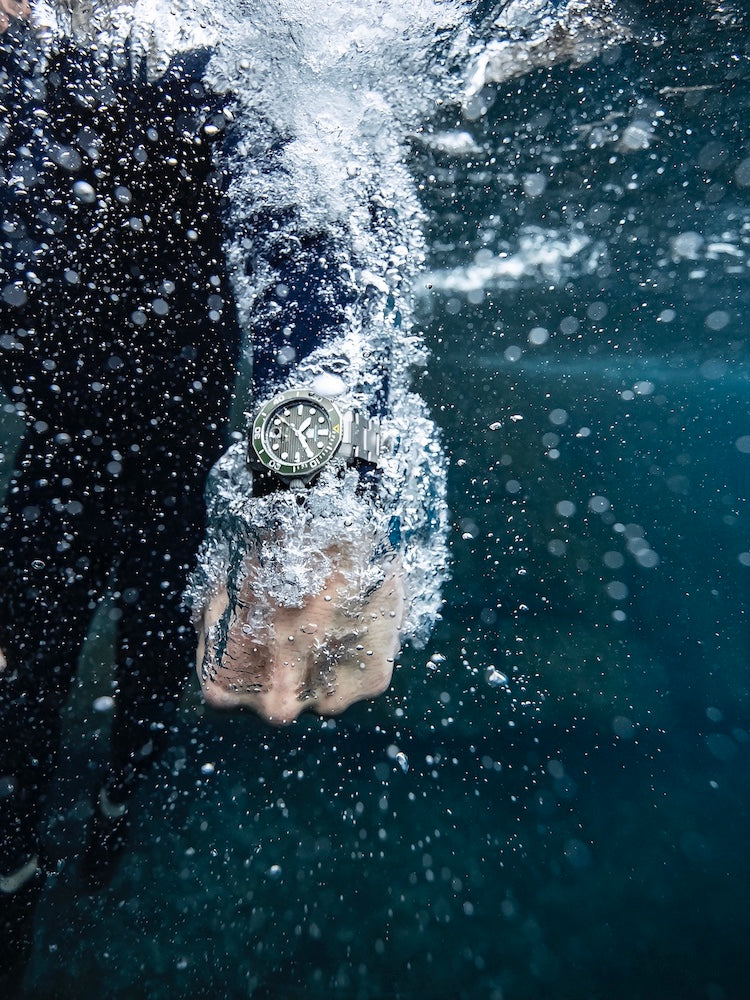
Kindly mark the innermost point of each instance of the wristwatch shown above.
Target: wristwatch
(297, 433)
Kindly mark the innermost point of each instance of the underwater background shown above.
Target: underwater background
(552, 800)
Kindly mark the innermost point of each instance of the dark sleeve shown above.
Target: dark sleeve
(303, 309)
(307, 302)
(111, 244)
(21, 112)
(21, 95)
(20, 76)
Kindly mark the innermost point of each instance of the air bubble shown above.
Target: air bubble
(495, 677)
(84, 192)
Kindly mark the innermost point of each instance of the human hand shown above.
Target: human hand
(10, 10)
(336, 649)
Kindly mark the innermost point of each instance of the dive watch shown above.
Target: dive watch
(298, 432)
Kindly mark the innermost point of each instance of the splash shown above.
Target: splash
(548, 256)
(529, 34)
(324, 97)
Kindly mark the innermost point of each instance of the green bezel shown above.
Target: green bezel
(309, 466)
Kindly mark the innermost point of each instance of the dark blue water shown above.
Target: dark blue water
(552, 801)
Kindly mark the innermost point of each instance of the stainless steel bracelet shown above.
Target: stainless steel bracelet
(361, 438)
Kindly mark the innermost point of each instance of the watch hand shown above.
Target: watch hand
(297, 433)
(304, 443)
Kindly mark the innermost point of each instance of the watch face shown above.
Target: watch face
(296, 433)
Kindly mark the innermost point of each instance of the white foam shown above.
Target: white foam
(325, 95)
(551, 256)
(334, 92)
(529, 34)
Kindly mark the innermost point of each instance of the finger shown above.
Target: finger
(4, 22)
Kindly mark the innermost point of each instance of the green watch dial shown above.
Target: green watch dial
(296, 433)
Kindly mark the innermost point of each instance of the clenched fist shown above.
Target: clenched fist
(336, 649)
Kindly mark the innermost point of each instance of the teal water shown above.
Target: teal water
(552, 800)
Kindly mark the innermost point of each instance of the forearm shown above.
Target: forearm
(321, 292)
(308, 326)
(324, 245)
